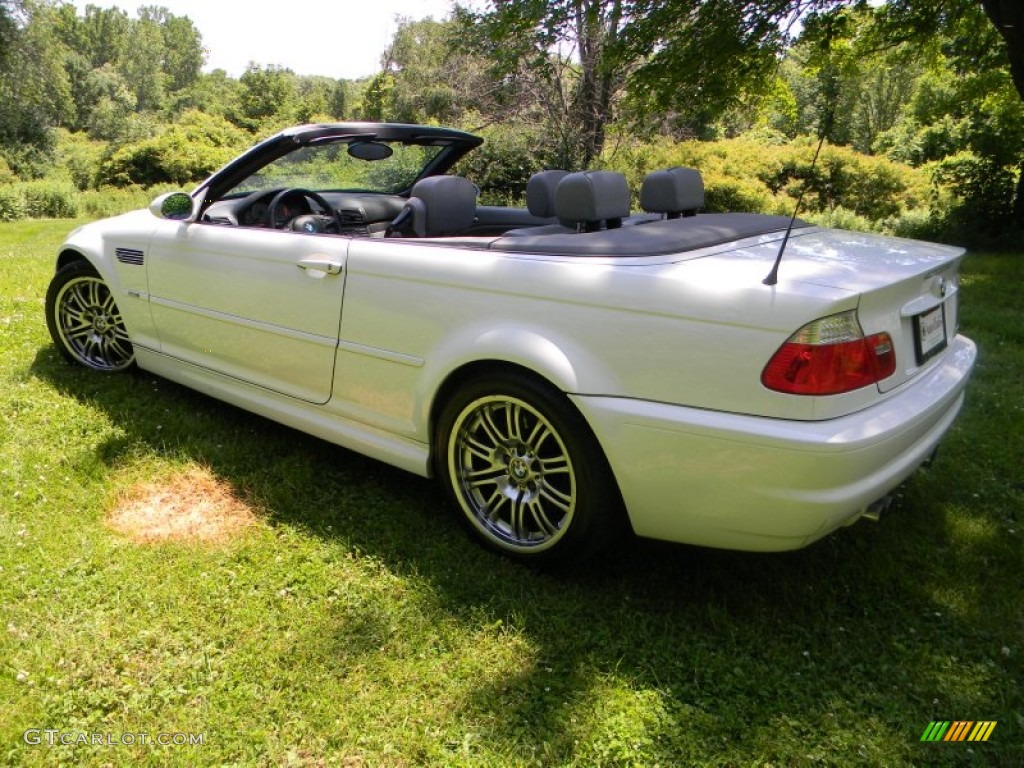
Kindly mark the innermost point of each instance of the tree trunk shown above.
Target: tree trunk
(1008, 18)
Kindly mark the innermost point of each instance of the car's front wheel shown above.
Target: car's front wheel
(84, 320)
(525, 471)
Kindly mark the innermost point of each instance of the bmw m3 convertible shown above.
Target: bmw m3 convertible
(602, 359)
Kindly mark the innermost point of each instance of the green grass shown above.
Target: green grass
(354, 624)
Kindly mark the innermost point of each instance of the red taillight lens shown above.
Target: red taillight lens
(828, 357)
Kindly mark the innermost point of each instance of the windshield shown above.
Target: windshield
(326, 167)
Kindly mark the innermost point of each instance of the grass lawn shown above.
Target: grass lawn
(325, 609)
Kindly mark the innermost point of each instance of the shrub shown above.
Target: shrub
(7, 176)
(38, 200)
(12, 204)
(502, 166)
(981, 191)
(80, 157)
(49, 199)
(757, 174)
(184, 153)
(841, 218)
(111, 201)
(723, 194)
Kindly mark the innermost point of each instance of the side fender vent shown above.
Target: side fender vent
(130, 256)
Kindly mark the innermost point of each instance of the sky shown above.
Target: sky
(336, 38)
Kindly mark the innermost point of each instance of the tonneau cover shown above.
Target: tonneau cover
(652, 237)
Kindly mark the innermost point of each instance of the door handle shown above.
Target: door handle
(320, 264)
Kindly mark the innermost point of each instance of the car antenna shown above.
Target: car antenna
(825, 130)
(773, 276)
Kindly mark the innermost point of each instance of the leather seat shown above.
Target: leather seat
(438, 206)
(673, 192)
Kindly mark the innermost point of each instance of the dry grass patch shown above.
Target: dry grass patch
(190, 505)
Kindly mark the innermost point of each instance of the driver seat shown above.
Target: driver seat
(438, 206)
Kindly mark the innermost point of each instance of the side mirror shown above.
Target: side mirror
(176, 206)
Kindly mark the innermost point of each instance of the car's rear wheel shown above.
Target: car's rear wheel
(85, 322)
(525, 471)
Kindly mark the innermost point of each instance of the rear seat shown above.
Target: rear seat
(540, 201)
(671, 194)
(587, 201)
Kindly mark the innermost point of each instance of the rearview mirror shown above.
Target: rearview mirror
(370, 150)
(176, 206)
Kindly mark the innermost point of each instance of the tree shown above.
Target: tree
(563, 54)
(435, 80)
(35, 92)
(264, 93)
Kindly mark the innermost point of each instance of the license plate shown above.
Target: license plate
(929, 333)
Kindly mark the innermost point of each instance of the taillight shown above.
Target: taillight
(830, 356)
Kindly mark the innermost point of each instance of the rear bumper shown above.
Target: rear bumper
(744, 482)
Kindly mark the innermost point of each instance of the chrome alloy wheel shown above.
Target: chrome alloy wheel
(512, 474)
(89, 325)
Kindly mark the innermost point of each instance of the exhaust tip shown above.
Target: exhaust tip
(873, 512)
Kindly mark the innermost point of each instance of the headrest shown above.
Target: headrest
(540, 192)
(446, 205)
(672, 191)
(592, 196)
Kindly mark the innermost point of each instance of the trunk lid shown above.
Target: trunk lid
(908, 289)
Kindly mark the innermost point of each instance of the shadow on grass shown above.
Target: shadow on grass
(843, 651)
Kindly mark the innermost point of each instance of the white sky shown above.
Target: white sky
(336, 38)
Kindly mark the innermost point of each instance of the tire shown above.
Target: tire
(85, 322)
(524, 471)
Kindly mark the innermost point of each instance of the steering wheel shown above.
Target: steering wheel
(270, 220)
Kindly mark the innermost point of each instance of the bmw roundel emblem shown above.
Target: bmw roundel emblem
(310, 226)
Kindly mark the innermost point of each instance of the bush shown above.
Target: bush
(12, 204)
(502, 166)
(841, 218)
(184, 153)
(38, 200)
(49, 199)
(757, 174)
(111, 201)
(7, 176)
(979, 193)
(80, 157)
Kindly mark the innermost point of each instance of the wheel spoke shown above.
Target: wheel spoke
(554, 465)
(492, 511)
(512, 414)
(541, 518)
(554, 496)
(492, 429)
(517, 520)
(489, 476)
(478, 449)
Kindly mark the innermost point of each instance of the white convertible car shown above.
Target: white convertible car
(566, 371)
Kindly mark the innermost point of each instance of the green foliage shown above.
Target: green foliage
(79, 157)
(264, 93)
(751, 174)
(977, 193)
(38, 200)
(7, 176)
(49, 199)
(12, 203)
(111, 201)
(186, 152)
(502, 166)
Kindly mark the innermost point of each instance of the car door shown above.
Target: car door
(259, 305)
